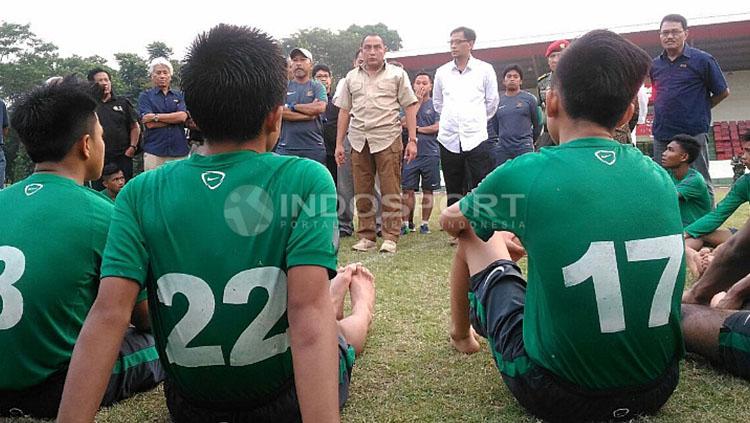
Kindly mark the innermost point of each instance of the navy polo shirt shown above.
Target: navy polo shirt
(683, 92)
(427, 144)
(169, 141)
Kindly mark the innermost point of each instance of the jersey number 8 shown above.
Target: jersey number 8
(12, 300)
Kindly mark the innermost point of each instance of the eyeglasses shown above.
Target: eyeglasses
(456, 42)
(672, 32)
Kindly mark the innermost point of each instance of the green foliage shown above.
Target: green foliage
(337, 49)
(133, 74)
(158, 49)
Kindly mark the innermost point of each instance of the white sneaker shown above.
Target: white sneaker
(388, 246)
(364, 244)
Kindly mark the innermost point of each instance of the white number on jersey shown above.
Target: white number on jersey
(599, 263)
(12, 300)
(251, 346)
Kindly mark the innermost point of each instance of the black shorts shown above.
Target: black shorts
(279, 407)
(425, 167)
(137, 369)
(496, 303)
(734, 344)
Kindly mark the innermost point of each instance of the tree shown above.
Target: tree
(158, 49)
(133, 74)
(337, 49)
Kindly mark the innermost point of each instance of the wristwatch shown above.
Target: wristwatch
(156, 118)
(414, 140)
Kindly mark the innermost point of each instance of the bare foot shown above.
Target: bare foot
(717, 298)
(339, 287)
(693, 261)
(707, 256)
(362, 290)
(466, 344)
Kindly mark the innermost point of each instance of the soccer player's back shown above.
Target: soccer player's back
(51, 245)
(596, 333)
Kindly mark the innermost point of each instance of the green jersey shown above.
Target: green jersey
(601, 226)
(51, 243)
(213, 238)
(739, 194)
(695, 201)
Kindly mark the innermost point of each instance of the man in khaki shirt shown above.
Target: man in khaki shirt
(371, 98)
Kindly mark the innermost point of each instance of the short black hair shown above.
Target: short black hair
(321, 67)
(469, 33)
(92, 73)
(513, 67)
(233, 77)
(674, 18)
(371, 34)
(689, 145)
(110, 169)
(598, 77)
(50, 119)
(425, 73)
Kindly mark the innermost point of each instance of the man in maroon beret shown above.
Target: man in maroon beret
(552, 54)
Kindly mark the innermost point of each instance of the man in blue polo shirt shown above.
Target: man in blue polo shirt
(3, 134)
(688, 83)
(306, 99)
(163, 113)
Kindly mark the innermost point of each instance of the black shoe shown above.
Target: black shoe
(343, 234)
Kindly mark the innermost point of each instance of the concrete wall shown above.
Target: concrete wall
(737, 106)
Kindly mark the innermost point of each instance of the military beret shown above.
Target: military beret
(558, 45)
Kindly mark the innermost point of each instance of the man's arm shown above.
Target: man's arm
(491, 96)
(312, 335)
(313, 109)
(536, 126)
(96, 349)
(291, 116)
(453, 221)
(718, 98)
(437, 94)
(342, 126)
(411, 128)
(164, 119)
(429, 130)
(715, 218)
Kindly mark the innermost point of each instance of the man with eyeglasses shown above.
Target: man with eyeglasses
(466, 97)
(688, 83)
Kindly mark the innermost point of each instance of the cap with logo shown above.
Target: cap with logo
(556, 46)
(303, 51)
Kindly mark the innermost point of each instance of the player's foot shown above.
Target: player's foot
(466, 344)
(424, 229)
(364, 245)
(707, 256)
(362, 291)
(693, 261)
(388, 246)
(405, 229)
(340, 286)
(717, 298)
(453, 241)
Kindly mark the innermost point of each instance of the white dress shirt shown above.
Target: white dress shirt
(465, 101)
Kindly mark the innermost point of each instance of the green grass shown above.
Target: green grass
(410, 373)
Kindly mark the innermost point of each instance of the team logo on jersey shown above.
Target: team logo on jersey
(32, 189)
(606, 156)
(213, 179)
(117, 108)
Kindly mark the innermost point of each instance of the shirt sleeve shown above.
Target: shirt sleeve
(689, 188)
(130, 111)
(714, 77)
(320, 92)
(491, 96)
(406, 96)
(715, 218)
(437, 93)
(181, 104)
(499, 202)
(311, 241)
(343, 96)
(125, 255)
(144, 104)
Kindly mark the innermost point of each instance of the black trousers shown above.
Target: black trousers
(465, 170)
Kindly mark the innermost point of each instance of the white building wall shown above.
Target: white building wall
(737, 105)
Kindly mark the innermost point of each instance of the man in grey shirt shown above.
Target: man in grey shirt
(517, 119)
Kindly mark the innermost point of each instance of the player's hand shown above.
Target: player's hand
(130, 152)
(411, 152)
(515, 248)
(339, 155)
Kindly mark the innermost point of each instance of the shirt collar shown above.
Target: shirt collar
(157, 90)
(686, 51)
(468, 63)
(363, 67)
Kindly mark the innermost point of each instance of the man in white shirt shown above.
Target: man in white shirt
(465, 96)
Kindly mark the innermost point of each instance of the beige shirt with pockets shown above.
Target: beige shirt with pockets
(374, 104)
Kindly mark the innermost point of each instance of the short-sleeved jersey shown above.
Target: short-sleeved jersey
(54, 231)
(303, 135)
(212, 237)
(601, 226)
(695, 201)
(427, 145)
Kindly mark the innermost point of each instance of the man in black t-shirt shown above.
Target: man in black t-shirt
(120, 122)
(322, 74)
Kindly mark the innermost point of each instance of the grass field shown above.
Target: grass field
(410, 373)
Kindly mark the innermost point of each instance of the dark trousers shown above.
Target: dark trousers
(465, 170)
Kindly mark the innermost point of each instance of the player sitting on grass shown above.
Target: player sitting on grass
(597, 336)
(706, 229)
(235, 246)
(51, 244)
(692, 190)
(712, 325)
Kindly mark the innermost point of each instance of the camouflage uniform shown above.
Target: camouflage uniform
(622, 134)
(542, 86)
